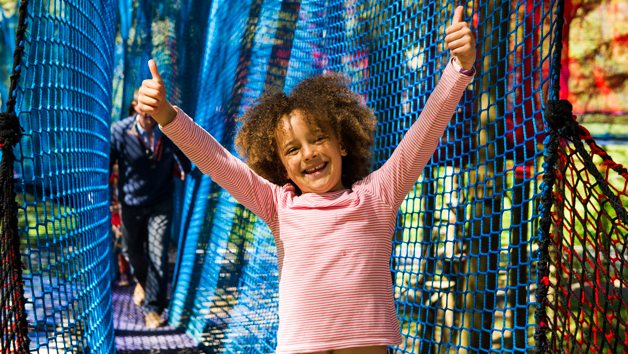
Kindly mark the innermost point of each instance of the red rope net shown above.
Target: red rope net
(588, 273)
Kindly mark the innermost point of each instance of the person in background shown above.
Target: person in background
(147, 162)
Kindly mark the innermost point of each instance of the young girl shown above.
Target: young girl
(308, 157)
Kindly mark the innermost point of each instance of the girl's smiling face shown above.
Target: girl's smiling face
(311, 154)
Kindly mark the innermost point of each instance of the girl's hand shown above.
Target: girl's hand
(152, 98)
(461, 40)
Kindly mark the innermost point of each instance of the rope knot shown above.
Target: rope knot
(10, 130)
(558, 113)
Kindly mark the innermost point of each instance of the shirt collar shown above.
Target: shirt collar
(142, 132)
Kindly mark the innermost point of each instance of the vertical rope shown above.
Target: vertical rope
(555, 113)
(562, 124)
(552, 143)
(558, 50)
(12, 303)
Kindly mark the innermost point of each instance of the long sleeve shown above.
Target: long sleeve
(248, 188)
(397, 176)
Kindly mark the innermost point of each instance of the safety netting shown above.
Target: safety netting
(169, 31)
(583, 266)
(8, 26)
(61, 97)
(219, 237)
(465, 266)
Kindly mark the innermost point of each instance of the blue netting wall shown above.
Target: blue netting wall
(213, 228)
(167, 31)
(63, 104)
(170, 32)
(463, 266)
(8, 25)
(464, 255)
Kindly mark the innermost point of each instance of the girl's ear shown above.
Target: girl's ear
(343, 151)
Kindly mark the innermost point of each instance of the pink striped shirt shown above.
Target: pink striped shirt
(334, 248)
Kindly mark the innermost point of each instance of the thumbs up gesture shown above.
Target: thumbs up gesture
(152, 98)
(461, 40)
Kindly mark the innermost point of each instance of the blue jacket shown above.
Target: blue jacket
(144, 178)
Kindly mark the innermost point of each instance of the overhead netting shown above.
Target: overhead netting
(583, 268)
(62, 92)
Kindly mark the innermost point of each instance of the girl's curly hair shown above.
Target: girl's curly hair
(325, 97)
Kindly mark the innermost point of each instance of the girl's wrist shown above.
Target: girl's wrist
(167, 115)
(465, 68)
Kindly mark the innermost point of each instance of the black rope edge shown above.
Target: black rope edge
(558, 49)
(552, 143)
(10, 135)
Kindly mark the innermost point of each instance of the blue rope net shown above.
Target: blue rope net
(170, 32)
(463, 267)
(63, 104)
(212, 255)
(8, 26)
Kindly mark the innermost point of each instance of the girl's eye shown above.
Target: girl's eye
(291, 151)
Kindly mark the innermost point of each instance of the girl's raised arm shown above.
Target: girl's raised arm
(248, 188)
(395, 179)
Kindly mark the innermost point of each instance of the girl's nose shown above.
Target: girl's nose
(309, 152)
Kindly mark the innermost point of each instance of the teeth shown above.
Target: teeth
(315, 168)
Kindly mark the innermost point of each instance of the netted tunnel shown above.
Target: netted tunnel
(513, 240)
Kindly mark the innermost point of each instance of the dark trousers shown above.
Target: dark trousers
(146, 233)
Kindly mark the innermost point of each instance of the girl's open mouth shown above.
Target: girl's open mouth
(316, 169)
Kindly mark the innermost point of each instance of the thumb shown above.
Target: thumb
(459, 12)
(154, 71)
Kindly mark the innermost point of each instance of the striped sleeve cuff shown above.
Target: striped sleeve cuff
(462, 70)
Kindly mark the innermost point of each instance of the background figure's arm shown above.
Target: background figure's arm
(254, 192)
(396, 178)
